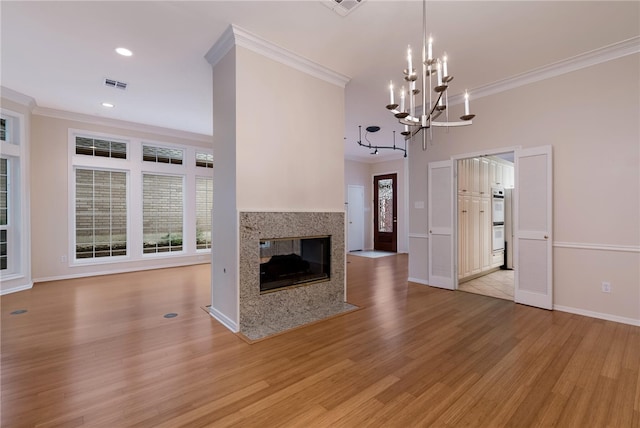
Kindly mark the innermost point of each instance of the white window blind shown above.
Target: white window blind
(163, 207)
(204, 205)
(101, 147)
(101, 213)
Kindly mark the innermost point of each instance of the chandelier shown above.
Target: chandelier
(435, 74)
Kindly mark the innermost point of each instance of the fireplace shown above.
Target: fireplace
(266, 309)
(293, 262)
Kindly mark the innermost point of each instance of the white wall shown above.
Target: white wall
(224, 232)
(590, 117)
(289, 145)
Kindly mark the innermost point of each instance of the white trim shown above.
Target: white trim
(419, 235)
(122, 124)
(235, 35)
(599, 315)
(223, 319)
(17, 97)
(221, 47)
(597, 56)
(16, 289)
(122, 270)
(418, 281)
(598, 247)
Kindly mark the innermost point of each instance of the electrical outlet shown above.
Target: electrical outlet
(63, 259)
(606, 287)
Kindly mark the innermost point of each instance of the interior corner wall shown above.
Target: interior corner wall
(596, 176)
(290, 129)
(225, 232)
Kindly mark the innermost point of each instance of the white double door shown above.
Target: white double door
(532, 226)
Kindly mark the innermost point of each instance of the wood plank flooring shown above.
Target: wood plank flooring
(97, 352)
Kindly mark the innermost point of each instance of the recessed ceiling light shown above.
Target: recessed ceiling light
(124, 51)
(108, 105)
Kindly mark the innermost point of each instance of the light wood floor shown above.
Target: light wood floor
(498, 284)
(98, 353)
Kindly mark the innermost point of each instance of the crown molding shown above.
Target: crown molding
(597, 56)
(236, 36)
(17, 97)
(121, 124)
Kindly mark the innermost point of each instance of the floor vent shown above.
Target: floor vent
(342, 7)
(115, 84)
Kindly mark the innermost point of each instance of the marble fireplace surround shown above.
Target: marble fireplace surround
(265, 314)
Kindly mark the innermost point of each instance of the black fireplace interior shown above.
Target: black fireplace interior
(294, 261)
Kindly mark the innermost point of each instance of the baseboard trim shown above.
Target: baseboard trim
(124, 270)
(16, 289)
(599, 315)
(418, 281)
(224, 320)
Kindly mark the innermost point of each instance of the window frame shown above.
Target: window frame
(97, 260)
(18, 229)
(136, 167)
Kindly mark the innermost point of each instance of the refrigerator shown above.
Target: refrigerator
(508, 228)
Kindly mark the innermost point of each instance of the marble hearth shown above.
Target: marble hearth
(264, 314)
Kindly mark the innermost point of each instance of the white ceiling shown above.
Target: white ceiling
(60, 52)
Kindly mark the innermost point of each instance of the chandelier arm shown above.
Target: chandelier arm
(448, 124)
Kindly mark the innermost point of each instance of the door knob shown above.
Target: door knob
(546, 237)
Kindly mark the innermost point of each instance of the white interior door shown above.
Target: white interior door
(533, 227)
(355, 218)
(440, 188)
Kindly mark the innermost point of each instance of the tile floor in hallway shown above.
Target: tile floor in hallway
(497, 284)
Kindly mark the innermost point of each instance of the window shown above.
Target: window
(3, 129)
(4, 212)
(14, 229)
(204, 205)
(204, 160)
(163, 204)
(101, 148)
(101, 213)
(162, 155)
(135, 200)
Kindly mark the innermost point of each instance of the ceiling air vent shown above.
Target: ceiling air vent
(115, 84)
(342, 7)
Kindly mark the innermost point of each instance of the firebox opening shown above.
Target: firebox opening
(292, 262)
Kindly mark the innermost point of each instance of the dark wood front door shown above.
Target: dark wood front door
(385, 217)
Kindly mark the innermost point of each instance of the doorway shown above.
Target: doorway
(485, 189)
(385, 217)
(355, 218)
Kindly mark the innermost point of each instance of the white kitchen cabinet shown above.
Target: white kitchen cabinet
(485, 187)
(463, 236)
(485, 234)
(474, 235)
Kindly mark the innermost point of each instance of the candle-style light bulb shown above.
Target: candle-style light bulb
(439, 67)
(430, 49)
(466, 103)
(409, 62)
(402, 99)
(445, 73)
(391, 92)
